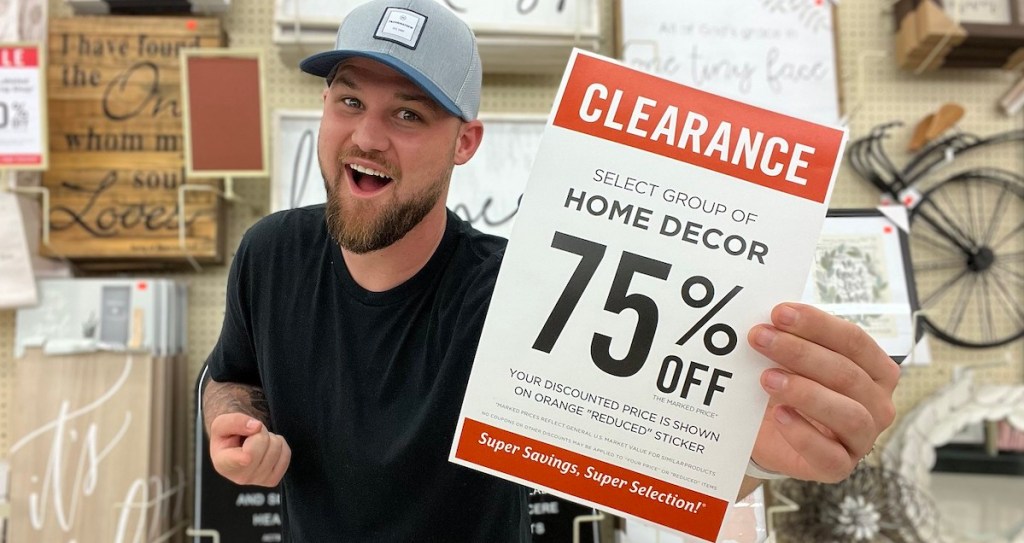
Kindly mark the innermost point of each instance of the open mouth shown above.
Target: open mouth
(368, 180)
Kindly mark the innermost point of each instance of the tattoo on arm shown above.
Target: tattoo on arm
(220, 398)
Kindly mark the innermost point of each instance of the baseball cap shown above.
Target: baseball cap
(421, 39)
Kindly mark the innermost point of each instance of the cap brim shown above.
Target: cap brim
(321, 64)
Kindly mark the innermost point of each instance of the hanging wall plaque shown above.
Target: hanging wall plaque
(116, 160)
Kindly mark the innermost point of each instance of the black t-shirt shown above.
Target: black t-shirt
(366, 386)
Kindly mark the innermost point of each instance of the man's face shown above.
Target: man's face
(386, 152)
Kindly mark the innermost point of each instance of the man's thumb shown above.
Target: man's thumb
(252, 426)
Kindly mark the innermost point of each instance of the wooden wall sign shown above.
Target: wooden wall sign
(85, 463)
(995, 32)
(116, 142)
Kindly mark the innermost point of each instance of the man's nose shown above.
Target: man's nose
(370, 134)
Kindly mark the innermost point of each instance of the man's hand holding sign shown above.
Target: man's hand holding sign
(659, 224)
(830, 398)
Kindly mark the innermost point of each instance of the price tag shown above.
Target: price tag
(659, 224)
(22, 121)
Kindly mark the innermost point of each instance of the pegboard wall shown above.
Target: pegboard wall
(874, 90)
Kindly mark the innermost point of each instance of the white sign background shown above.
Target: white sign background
(658, 434)
(777, 54)
(558, 17)
(15, 259)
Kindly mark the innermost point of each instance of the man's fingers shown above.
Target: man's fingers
(270, 456)
(236, 424)
(227, 436)
(833, 370)
(282, 463)
(830, 398)
(821, 459)
(806, 358)
(839, 336)
(832, 414)
(231, 461)
(245, 452)
(257, 445)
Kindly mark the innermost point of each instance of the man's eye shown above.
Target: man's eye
(407, 115)
(351, 102)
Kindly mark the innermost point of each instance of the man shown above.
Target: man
(350, 328)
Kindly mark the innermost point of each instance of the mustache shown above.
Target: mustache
(389, 168)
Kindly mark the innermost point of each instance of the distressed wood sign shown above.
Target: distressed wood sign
(117, 155)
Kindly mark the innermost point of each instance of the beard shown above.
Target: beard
(362, 227)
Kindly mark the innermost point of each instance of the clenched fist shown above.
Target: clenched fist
(245, 452)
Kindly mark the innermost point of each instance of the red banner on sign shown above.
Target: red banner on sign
(21, 159)
(591, 479)
(630, 107)
(19, 57)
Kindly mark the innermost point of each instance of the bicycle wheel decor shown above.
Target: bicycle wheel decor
(967, 242)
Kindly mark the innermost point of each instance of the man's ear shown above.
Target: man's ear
(469, 138)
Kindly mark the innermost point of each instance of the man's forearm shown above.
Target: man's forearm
(220, 398)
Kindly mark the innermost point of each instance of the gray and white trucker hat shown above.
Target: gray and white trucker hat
(422, 39)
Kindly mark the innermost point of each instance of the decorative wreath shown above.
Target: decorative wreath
(890, 502)
(874, 504)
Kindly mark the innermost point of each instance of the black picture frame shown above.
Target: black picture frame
(862, 272)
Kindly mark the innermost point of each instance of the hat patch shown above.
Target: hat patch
(401, 26)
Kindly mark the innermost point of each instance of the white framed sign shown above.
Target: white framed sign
(660, 223)
(296, 179)
(774, 54)
(514, 36)
(23, 125)
(542, 17)
(485, 191)
(15, 259)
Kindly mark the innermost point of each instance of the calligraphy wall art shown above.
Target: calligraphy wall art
(116, 145)
(485, 191)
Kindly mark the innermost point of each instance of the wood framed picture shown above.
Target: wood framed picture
(222, 103)
(935, 34)
(116, 144)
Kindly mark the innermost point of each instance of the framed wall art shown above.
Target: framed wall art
(862, 273)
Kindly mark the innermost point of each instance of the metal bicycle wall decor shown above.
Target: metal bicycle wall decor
(966, 234)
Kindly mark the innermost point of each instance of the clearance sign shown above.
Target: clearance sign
(23, 139)
(659, 224)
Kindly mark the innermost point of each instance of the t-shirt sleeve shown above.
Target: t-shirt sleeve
(477, 302)
(233, 358)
